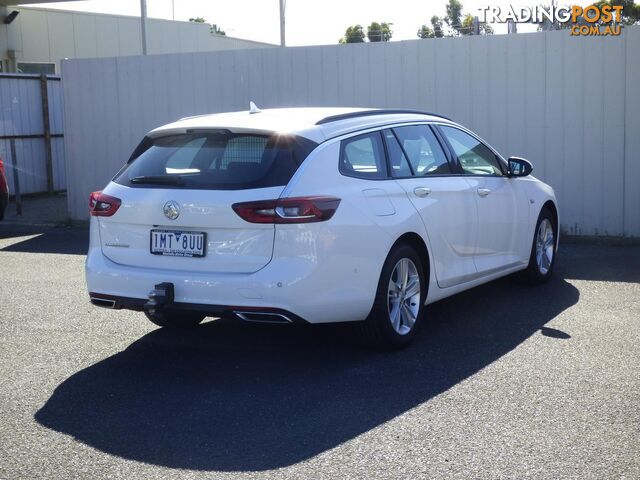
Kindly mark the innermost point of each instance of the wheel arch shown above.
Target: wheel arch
(551, 206)
(418, 244)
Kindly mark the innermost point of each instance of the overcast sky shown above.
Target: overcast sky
(309, 22)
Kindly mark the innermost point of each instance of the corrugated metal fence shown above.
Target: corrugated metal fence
(22, 121)
(568, 104)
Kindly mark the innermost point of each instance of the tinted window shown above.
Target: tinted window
(474, 156)
(363, 156)
(424, 152)
(215, 160)
(397, 159)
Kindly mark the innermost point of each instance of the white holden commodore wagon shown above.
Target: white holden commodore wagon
(314, 215)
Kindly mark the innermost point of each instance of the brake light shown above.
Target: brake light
(288, 210)
(2, 167)
(101, 205)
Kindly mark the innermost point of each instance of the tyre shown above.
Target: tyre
(399, 303)
(543, 250)
(175, 318)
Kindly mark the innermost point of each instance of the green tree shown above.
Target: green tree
(460, 24)
(454, 15)
(467, 25)
(213, 28)
(353, 34)
(436, 24)
(379, 32)
(425, 31)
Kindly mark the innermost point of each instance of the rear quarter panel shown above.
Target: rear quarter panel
(350, 249)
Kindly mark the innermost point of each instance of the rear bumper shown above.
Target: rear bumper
(295, 287)
(317, 273)
(252, 314)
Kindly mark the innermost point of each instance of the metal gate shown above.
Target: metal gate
(31, 138)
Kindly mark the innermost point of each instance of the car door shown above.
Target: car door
(444, 199)
(502, 206)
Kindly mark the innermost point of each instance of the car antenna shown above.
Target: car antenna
(253, 108)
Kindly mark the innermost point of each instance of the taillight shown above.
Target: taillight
(101, 205)
(2, 168)
(288, 210)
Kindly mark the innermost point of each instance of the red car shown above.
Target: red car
(4, 190)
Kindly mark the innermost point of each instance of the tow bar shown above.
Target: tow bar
(160, 297)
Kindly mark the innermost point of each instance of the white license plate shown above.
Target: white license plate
(175, 243)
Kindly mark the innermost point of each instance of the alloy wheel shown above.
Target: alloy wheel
(403, 300)
(544, 246)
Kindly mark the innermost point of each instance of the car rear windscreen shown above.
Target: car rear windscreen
(217, 160)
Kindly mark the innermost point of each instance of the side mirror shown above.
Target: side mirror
(519, 167)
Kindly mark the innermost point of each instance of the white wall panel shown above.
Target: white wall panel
(106, 36)
(84, 27)
(567, 104)
(60, 28)
(41, 35)
(631, 183)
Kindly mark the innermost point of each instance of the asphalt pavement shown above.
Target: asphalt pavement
(503, 381)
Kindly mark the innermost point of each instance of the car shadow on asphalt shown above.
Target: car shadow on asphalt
(32, 239)
(238, 397)
(609, 263)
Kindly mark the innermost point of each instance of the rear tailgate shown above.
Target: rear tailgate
(232, 245)
(175, 200)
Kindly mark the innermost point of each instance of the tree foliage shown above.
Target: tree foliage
(425, 31)
(458, 23)
(454, 14)
(353, 34)
(216, 30)
(468, 27)
(376, 32)
(436, 30)
(379, 32)
(438, 27)
(213, 29)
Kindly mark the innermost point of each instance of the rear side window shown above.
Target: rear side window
(423, 149)
(397, 159)
(218, 160)
(363, 156)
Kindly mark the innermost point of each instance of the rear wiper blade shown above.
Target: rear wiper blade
(159, 180)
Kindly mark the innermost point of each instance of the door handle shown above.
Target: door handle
(483, 192)
(421, 191)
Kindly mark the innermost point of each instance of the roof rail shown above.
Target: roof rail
(366, 113)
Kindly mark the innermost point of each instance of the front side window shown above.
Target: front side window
(363, 156)
(474, 156)
(423, 149)
(215, 160)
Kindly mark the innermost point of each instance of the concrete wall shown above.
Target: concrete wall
(568, 104)
(40, 35)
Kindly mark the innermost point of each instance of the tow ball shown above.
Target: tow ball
(159, 298)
